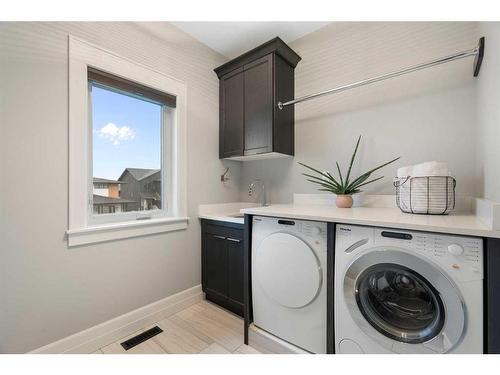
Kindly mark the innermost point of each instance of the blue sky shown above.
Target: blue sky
(126, 133)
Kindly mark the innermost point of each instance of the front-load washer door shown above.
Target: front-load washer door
(288, 270)
(404, 302)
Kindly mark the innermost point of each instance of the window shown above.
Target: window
(127, 122)
(128, 126)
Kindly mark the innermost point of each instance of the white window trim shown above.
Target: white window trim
(81, 55)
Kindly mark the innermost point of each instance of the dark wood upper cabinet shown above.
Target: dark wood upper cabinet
(251, 124)
(231, 114)
(258, 99)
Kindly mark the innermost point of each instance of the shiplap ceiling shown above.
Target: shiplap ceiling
(233, 38)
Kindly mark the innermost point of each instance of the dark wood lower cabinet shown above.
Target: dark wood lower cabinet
(216, 281)
(222, 264)
(235, 270)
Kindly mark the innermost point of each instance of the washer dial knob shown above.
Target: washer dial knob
(455, 249)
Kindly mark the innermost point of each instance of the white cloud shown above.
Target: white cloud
(116, 134)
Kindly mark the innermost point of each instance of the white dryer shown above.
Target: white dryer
(400, 291)
(289, 280)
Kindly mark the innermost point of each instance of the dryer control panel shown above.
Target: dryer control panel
(313, 232)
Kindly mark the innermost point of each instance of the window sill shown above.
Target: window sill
(118, 231)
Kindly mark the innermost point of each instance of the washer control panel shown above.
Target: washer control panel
(459, 255)
(463, 256)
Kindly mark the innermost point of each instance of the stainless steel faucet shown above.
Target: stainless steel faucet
(263, 194)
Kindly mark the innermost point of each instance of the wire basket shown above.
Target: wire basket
(432, 195)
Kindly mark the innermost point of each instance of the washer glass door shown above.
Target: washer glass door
(404, 301)
(400, 303)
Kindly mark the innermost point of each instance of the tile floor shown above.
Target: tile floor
(201, 328)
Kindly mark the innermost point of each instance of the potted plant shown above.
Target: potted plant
(343, 187)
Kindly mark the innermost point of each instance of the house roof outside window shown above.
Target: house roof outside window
(98, 180)
(139, 173)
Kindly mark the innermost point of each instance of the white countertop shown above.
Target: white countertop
(228, 218)
(455, 223)
(227, 212)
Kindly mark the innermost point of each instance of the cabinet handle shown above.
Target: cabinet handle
(220, 237)
(233, 239)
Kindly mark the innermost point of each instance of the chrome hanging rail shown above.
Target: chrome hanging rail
(478, 52)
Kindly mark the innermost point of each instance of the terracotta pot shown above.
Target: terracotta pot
(343, 201)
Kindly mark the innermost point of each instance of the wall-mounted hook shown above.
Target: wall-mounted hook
(223, 177)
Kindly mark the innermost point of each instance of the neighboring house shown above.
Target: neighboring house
(142, 186)
(106, 197)
(107, 188)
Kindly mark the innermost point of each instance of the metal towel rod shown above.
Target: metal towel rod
(478, 52)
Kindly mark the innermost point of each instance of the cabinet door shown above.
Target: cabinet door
(231, 114)
(284, 119)
(235, 269)
(258, 87)
(216, 264)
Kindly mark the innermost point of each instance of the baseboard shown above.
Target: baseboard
(266, 343)
(96, 337)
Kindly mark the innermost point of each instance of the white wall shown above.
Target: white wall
(48, 291)
(428, 115)
(488, 113)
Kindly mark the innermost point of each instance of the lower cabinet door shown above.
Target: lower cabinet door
(235, 270)
(222, 266)
(216, 264)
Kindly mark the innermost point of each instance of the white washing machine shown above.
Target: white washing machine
(289, 280)
(400, 291)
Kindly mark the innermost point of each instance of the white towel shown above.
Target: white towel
(405, 171)
(430, 168)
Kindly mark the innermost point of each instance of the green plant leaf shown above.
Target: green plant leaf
(352, 161)
(359, 180)
(333, 183)
(327, 175)
(311, 168)
(383, 165)
(331, 188)
(340, 174)
(332, 178)
(369, 182)
(366, 175)
(322, 183)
